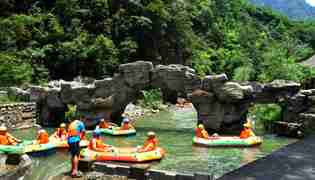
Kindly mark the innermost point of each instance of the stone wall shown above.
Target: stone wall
(18, 115)
(221, 105)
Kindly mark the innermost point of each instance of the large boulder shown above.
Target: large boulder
(233, 92)
(173, 77)
(213, 82)
(104, 88)
(53, 99)
(136, 74)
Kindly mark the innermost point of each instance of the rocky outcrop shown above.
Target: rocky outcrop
(18, 115)
(221, 104)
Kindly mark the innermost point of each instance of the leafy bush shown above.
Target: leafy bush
(267, 114)
(151, 99)
(71, 113)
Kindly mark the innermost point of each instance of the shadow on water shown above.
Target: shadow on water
(175, 131)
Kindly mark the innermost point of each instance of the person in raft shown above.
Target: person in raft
(105, 124)
(125, 125)
(76, 132)
(247, 131)
(200, 132)
(42, 137)
(61, 132)
(96, 143)
(6, 138)
(150, 144)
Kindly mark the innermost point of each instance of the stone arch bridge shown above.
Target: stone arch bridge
(221, 104)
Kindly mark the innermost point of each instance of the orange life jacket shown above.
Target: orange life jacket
(198, 132)
(104, 125)
(201, 133)
(72, 129)
(98, 142)
(246, 133)
(125, 126)
(43, 138)
(4, 140)
(150, 145)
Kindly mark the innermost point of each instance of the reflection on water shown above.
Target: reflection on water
(175, 131)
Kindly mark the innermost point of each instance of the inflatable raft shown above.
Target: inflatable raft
(64, 144)
(26, 147)
(116, 131)
(123, 154)
(228, 141)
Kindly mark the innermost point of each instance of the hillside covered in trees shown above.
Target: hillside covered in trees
(296, 9)
(61, 39)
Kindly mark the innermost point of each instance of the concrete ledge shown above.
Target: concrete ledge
(21, 170)
(141, 173)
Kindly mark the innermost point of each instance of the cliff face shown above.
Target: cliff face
(297, 9)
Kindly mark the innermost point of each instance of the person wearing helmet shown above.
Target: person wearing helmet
(96, 143)
(150, 144)
(61, 132)
(247, 131)
(201, 132)
(125, 125)
(42, 137)
(6, 138)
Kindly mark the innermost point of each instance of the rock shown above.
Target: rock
(104, 88)
(53, 99)
(103, 103)
(233, 92)
(19, 94)
(283, 85)
(288, 129)
(37, 93)
(173, 77)
(209, 83)
(308, 92)
(136, 74)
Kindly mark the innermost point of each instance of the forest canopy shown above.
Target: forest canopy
(62, 39)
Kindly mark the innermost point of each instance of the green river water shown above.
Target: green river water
(175, 130)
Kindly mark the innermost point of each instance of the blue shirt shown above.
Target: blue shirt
(78, 127)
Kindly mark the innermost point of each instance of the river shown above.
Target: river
(174, 130)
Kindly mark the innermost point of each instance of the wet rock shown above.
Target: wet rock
(288, 129)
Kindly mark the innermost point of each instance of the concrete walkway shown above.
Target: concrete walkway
(293, 162)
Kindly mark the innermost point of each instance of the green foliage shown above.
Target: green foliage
(14, 71)
(266, 113)
(67, 38)
(152, 99)
(6, 100)
(71, 113)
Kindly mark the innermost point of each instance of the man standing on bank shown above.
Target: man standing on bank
(76, 133)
